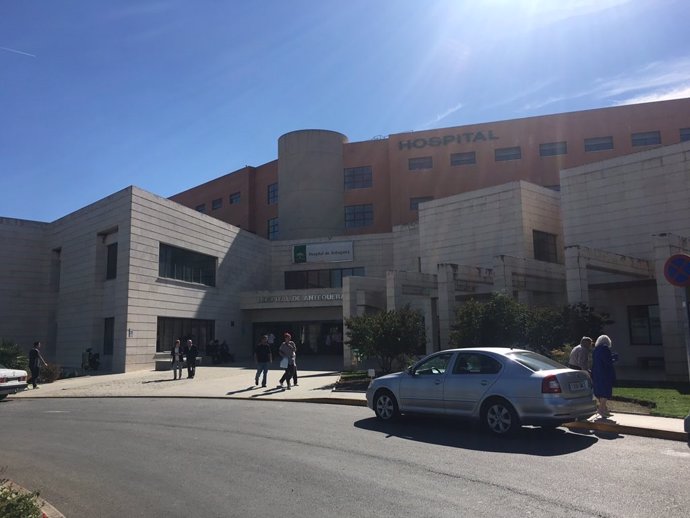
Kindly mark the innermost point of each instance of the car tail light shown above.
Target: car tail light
(3, 380)
(550, 385)
(22, 378)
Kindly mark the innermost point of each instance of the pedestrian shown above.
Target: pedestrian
(287, 352)
(579, 356)
(294, 368)
(191, 352)
(603, 373)
(177, 354)
(262, 356)
(35, 362)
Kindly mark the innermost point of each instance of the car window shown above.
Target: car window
(473, 363)
(434, 365)
(534, 361)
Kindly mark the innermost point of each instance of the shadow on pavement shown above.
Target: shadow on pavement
(464, 435)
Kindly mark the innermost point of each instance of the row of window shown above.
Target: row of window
(647, 138)
(355, 216)
(311, 279)
(216, 204)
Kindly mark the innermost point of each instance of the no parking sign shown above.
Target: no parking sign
(677, 270)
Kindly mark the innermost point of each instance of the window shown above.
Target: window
(111, 262)
(648, 138)
(433, 366)
(553, 148)
(414, 202)
(472, 363)
(108, 336)
(234, 198)
(507, 153)
(272, 231)
(185, 265)
(272, 194)
(467, 158)
(359, 216)
(217, 204)
(357, 177)
(423, 162)
(310, 279)
(644, 325)
(201, 207)
(545, 246)
(170, 329)
(684, 134)
(598, 144)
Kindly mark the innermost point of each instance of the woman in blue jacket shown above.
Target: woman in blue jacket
(603, 373)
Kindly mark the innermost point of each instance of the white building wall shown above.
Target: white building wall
(243, 264)
(617, 204)
(27, 296)
(471, 228)
(406, 248)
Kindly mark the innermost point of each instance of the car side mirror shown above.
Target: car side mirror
(410, 371)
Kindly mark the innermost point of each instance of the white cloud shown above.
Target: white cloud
(442, 116)
(659, 95)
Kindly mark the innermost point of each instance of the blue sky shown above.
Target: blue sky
(96, 95)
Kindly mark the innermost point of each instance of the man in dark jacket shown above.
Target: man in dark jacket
(35, 362)
(191, 351)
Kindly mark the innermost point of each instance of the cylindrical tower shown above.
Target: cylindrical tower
(310, 184)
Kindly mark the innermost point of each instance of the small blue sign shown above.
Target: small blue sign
(677, 270)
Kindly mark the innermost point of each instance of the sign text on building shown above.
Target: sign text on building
(322, 252)
(461, 138)
(318, 297)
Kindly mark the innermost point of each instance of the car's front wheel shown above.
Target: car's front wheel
(2, 396)
(385, 405)
(500, 418)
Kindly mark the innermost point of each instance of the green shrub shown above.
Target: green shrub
(50, 373)
(12, 356)
(18, 504)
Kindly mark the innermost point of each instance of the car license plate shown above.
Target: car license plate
(578, 385)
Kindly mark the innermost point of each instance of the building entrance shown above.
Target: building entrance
(311, 338)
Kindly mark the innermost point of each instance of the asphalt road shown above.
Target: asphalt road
(221, 458)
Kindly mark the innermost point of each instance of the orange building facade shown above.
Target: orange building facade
(388, 178)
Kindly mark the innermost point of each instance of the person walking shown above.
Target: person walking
(579, 356)
(177, 353)
(35, 362)
(191, 352)
(603, 374)
(262, 356)
(287, 351)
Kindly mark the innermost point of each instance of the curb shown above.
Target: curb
(48, 510)
(629, 430)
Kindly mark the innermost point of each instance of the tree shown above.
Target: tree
(387, 336)
(12, 356)
(499, 322)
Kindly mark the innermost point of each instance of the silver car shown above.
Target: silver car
(502, 388)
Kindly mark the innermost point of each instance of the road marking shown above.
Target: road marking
(674, 453)
(56, 412)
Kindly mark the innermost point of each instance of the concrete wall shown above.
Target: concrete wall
(27, 290)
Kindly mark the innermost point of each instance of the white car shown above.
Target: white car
(502, 388)
(11, 381)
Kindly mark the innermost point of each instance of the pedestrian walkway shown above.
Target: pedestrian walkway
(316, 385)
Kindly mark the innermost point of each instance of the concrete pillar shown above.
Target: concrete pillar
(446, 302)
(576, 277)
(673, 311)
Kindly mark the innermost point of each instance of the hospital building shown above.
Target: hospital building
(579, 207)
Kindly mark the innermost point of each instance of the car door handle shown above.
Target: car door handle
(484, 382)
(437, 382)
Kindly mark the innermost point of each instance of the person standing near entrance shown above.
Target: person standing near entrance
(262, 356)
(288, 351)
(177, 354)
(191, 351)
(35, 362)
(603, 374)
(579, 356)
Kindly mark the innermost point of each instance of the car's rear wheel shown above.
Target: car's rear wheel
(499, 417)
(385, 405)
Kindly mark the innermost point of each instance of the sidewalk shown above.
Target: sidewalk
(236, 381)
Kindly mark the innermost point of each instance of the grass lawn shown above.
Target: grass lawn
(669, 402)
